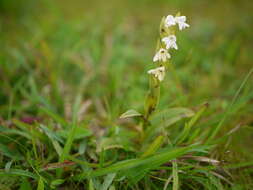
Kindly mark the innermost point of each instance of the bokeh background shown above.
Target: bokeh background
(51, 50)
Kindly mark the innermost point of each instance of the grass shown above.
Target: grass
(68, 71)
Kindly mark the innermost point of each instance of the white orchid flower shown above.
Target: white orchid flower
(161, 55)
(169, 21)
(181, 21)
(158, 73)
(170, 42)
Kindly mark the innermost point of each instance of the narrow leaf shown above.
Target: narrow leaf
(130, 113)
(18, 172)
(154, 146)
(151, 162)
(108, 180)
(40, 184)
(8, 166)
(25, 185)
(56, 183)
(191, 123)
(11, 153)
(170, 116)
(56, 117)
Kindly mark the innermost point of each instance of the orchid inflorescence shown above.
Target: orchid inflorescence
(166, 42)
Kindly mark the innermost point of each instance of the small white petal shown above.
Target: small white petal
(170, 41)
(180, 18)
(169, 21)
(156, 57)
(158, 73)
(161, 55)
(181, 21)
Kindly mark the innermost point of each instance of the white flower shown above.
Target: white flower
(181, 21)
(170, 41)
(158, 73)
(169, 21)
(161, 55)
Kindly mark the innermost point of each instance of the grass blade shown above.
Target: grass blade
(189, 125)
(68, 144)
(40, 184)
(108, 180)
(217, 128)
(56, 117)
(154, 146)
(25, 185)
(151, 162)
(18, 172)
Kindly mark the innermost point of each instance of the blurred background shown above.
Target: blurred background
(50, 51)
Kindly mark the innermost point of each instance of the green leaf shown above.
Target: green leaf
(189, 125)
(11, 153)
(112, 187)
(150, 162)
(56, 182)
(55, 139)
(8, 166)
(130, 113)
(25, 185)
(108, 180)
(55, 116)
(82, 147)
(23, 127)
(80, 133)
(71, 134)
(166, 118)
(14, 132)
(57, 147)
(91, 186)
(217, 128)
(154, 146)
(51, 134)
(18, 172)
(170, 116)
(40, 184)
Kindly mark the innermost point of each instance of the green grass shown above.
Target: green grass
(69, 70)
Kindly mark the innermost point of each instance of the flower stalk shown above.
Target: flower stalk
(166, 42)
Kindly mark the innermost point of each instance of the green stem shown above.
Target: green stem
(152, 99)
